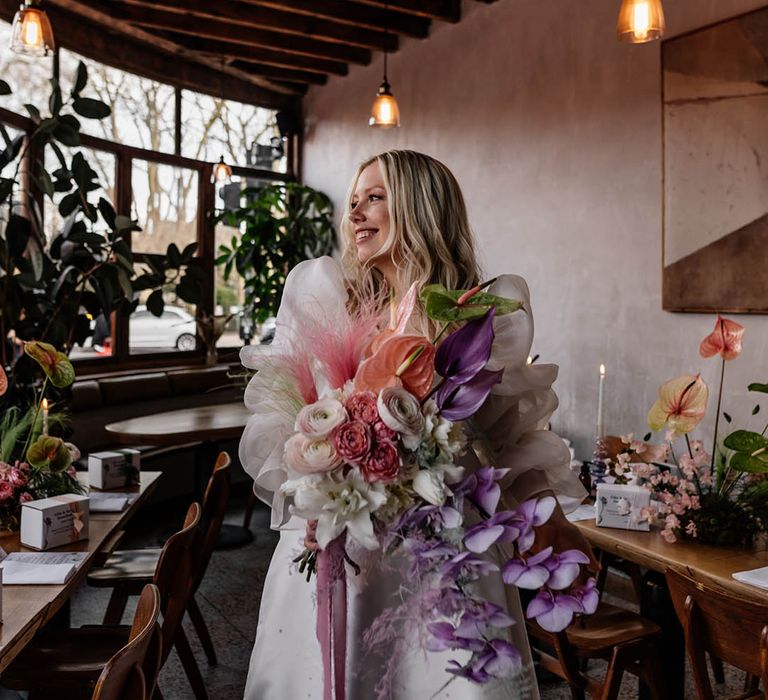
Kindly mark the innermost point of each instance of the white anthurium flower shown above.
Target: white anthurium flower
(430, 485)
(337, 503)
(319, 419)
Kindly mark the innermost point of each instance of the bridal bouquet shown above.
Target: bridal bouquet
(373, 466)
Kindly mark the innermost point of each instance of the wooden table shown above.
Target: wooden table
(27, 608)
(649, 549)
(205, 424)
(223, 421)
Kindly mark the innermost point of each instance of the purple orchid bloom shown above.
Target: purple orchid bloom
(445, 636)
(488, 613)
(530, 514)
(564, 568)
(466, 351)
(500, 659)
(482, 488)
(531, 573)
(553, 611)
(461, 401)
(467, 566)
(479, 538)
(588, 596)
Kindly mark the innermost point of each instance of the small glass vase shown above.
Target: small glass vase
(211, 356)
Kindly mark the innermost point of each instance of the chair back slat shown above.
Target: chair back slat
(730, 627)
(130, 673)
(174, 576)
(214, 508)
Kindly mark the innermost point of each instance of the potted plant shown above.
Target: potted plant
(280, 225)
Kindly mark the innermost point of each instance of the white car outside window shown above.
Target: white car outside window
(176, 328)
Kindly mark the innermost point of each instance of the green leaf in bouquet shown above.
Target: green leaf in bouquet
(441, 304)
(757, 386)
(746, 441)
(754, 464)
(50, 453)
(55, 364)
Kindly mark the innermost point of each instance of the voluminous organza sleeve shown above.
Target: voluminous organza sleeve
(313, 289)
(512, 424)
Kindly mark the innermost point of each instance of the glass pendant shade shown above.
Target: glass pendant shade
(31, 33)
(641, 21)
(384, 112)
(221, 171)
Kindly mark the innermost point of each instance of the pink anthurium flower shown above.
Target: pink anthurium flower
(724, 340)
(681, 405)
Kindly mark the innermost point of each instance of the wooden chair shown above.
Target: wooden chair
(728, 627)
(131, 673)
(74, 659)
(128, 571)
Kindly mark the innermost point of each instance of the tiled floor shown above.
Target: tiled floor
(229, 599)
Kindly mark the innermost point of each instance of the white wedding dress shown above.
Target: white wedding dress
(286, 662)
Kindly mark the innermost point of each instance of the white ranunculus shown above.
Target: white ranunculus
(400, 411)
(442, 436)
(318, 419)
(306, 456)
(429, 484)
(338, 502)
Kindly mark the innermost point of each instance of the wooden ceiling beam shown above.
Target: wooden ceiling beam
(255, 54)
(279, 73)
(354, 14)
(250, 15)
(100, 39)
(445, 10)
(236, 33)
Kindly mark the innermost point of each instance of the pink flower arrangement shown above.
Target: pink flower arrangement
(14, 490)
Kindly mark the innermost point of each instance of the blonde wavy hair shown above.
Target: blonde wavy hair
(430, 241)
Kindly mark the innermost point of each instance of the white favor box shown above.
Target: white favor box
(52, 522)
(112, 470)
(620, 505)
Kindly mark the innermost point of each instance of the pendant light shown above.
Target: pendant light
(221, 172)
(384, 111)
(641, 21)
(31, 33)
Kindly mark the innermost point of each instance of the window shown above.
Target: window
(244, 134)
(143, 110)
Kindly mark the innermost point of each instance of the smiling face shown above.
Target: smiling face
(369, 215)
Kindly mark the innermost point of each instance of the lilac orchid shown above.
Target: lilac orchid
(530, 514)
(588, 596)
(531, 573)
(498, 528)
(500, 659)
(466, 566)
(482, 489)
(552, 610)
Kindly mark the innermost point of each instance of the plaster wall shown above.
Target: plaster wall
(553, 129)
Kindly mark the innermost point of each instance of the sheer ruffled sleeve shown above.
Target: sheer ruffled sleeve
(512, 424)
(313, 289)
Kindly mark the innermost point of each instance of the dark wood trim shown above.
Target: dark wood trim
(18, 121)
(281, 74)
(354, 14)
(177, 121)
(145, 55)
(446, 10)
(257, 54)
(198, 12)
(123, 205)
(228, 31)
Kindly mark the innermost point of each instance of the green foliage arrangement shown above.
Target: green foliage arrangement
(280, 225)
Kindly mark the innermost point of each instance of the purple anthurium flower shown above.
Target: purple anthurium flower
(531, 573)
(460, 401)
(498, 528)
(564, 568)
(466, 351)
(530, 514)
(588, 596)
(553, 611)
(466, 565)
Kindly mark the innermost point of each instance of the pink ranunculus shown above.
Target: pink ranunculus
(383, 432)
(306, 456)
(26, 497)
(382, 464)
(362, 406)
(352, 440)
(6, 490)
(318, 420)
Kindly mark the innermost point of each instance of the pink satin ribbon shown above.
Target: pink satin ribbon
(332, 618)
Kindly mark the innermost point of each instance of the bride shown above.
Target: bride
(405, 222)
